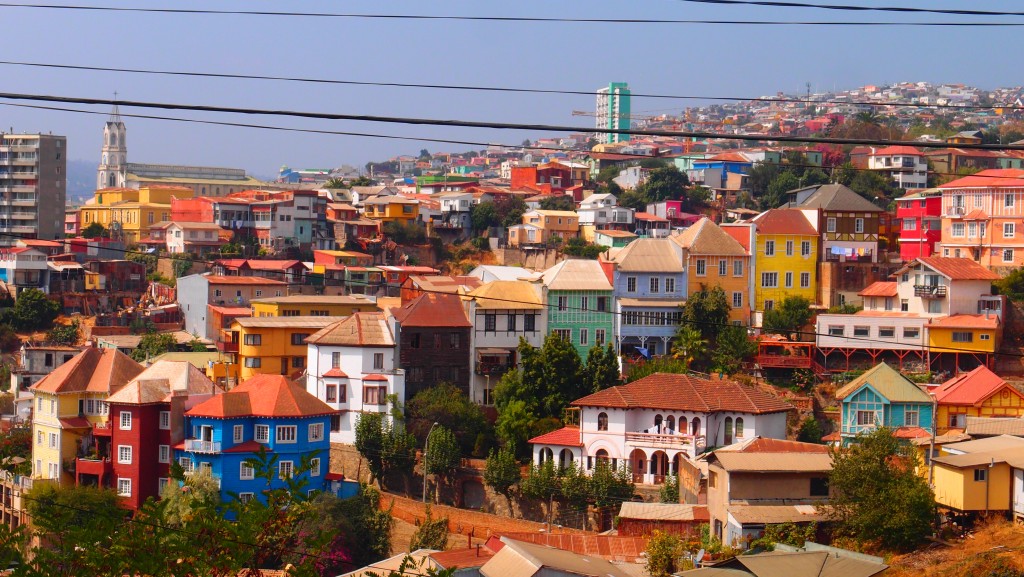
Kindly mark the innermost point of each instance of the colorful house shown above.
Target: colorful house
(225, 433)
(919, 215)
(131, 212)
(785, 258)
(539, 226)
(311, 306)
(713, 258)
(883, 397)
(982, 219)
(579, 299)
(978, 393)
(71, 405)
(433, 332)
(847, 223)
(981, 476)
(391, 208)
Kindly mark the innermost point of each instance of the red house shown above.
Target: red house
(919, 215)
(147, 420)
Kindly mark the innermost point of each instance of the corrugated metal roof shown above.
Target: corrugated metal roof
(296, 322)
(507, 295)
(995, 426)
(880, 289)
(663, 511)
(740, 462)
(521, 559)
(1011, 456)
(1002, 442)
(650, 255)
(765, 514)
(317, 300)
(784, 221)
(578, 275)
(889, 383)
(952, 268)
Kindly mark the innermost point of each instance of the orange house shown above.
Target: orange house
(711, 258)
(979, 393)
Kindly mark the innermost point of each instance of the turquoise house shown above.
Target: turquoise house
(580, 309)
(882, 397)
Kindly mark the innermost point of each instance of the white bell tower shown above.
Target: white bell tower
(114, 155)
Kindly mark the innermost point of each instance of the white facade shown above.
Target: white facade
(602, 209)
(872, 330)
(907, 170)
(495, 342)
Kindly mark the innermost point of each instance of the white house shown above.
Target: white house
(650, 425)
(906, 165)
(23, 268)
(351, 367)
(195, 237)
(603, 211)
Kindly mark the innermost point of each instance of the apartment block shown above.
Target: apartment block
(33, 171)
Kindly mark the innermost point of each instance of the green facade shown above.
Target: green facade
(566, 313)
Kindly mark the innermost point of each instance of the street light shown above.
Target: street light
(426, 446)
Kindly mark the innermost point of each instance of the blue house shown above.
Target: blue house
(266, 412)
(882, 397)
(649, 283)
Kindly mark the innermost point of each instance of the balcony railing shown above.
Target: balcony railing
(930, 291)
(197, 446)
(784, 361)
(493, 369)
(666, 441)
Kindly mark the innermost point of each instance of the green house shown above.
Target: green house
(580, 308)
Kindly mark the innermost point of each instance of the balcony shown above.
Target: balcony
(103, 468)
(930, 291)
(197, 446)
(493, 369)
(689, 443)
(784, 361)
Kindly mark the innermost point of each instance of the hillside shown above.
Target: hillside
(993, 550)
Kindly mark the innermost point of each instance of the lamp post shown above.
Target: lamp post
(426, 447)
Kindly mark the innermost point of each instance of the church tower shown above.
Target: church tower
(114, 157)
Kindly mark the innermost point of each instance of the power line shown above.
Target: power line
(459, 87)
(857, 8)
(495, 125)
(499, 19)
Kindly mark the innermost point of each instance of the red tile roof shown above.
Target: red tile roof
(958, 268)
(463, 558)
(433, 310)
(966, 321)
(976, 214)
(263, 396)
(763, 445)
(609, 547)
(335, 373)
(972, 388)
(375, 377)
(911, 433)
(685, 393)
(783, 221)
(240, 280)
(564, 437)
(879, 289)
(892, 150)
(995, 178)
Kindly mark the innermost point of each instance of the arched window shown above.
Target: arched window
(104, 159)
(112, 179)
(113, 139)
(546, 454)
(657, 423)
(728, 430)
(739, 427)
(602, 422)
(670, 424)
(602, 455)
(695, 427)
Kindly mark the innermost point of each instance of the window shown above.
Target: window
(165, 420)
(1007, 255)
(259, 293)
(165, 454)
(770, 280)
(286, 433)
(819, 486)
(769, 248)
(865, 418)
(253, 362)
(584, 337)
(739, 427)
(126, 421)
(238, 433)
(246, 471)
(1008, 200)
(858, 225)
(886, 332)
(958, 230)
(332, 393)
(53, 440)
(769, 304)
(599, 337)
(631, 284)
(565, 334)
(316, 432)
(830, 224)
(563, 303)
(490, 325)
(910, 224)
(836, 330)
(702, 266)
(262, 434)
(904, 305)
(252, 340)
(314, 467)
(39, 437)
(911, 419)
(124, 454)
(670, 285)
(911, 333)
(789, 252)
(861, 331)
(737, 267)
(1009, 229)
(805, 280)
(723, 267)
(285, 469)
(378, 360)
(805, 248)
(298, 362)
(186, 464)
(980, 475)
(378, 395)
(336, 359)
(245, 497)
(737, 300)
(957, 420)
(972, 229)
(963, 336)
(124, 487)
(789, 280)
(299, 339)
(602, 421)
(985, 337)
(530, 323)
(602, 302)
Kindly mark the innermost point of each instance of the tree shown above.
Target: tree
(707, 310)
(656, 365)
(731, 349)
(810, 431)
(34, 310)
(441, 457)
(94, 230)
(1012, 285)
(182, 265)
(788, 318)
(483, 216)
(689, 346)
(562, 372)
(776, 195)
(336, 183)
(670, 490)
(431, 534)
(16, 450)
(152, 345)
(664, 183)
(182, 501)
(408, 233)
(867, 478)
(511, 207)
(501, 472)
(424, 154)
(610, 486)
(560, 202)
(513, 425)
(664, 554)
(578, 247)
(67, 335)
(449, 407)
(632, 199)
(785, 533)
(602, 368)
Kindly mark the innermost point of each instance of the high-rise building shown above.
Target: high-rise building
(33, 171)
(613, 112)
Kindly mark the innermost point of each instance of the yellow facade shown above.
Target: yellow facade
(273, 346)
(55, 447)
(134, 210)
(1006, 402)
(400, 210)
(957, 488)
(304, 306)
(982, 340)
(793, 258)
(736, 286)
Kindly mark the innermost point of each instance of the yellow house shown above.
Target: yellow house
(266, 345)
(312, 306)
(981, 476)
(712, 257)
(964, 333)
(391, 208)
(539, 226)
(133, 210)
(978, 393)
(69, 408)
(785, 258)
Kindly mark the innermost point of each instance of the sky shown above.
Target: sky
(725, 60)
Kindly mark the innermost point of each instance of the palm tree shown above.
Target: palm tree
(689, 345)
(868, 117)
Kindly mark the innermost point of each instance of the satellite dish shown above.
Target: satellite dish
(698, 558)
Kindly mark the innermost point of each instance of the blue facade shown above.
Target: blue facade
(866, 409)
(224, 444)
(648, 318)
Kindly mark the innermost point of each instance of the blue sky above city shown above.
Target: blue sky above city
(653, 58)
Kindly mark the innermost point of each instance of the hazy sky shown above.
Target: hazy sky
(653, 58)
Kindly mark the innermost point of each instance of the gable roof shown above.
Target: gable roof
(507, 295)
(953, 268)
(576, 274)
(362, 329)
(91, 371)
(784, 221)
(740, 462)
(833, 197)
(433, 310)
(677, 392)
(564, 437)
(889, 383)
(650, 255)
(263, 396)
(160, 380)
(706, 237)
(880, 289)
(762, 445)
